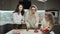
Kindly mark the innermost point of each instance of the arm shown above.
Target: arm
(14, 18)
(37, 20)
(27, 20)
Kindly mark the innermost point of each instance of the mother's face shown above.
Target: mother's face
(33, 10)
(20, 7)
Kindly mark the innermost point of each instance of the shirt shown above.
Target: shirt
(32, 20)
(17, 18)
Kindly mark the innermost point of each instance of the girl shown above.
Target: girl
(48, 22)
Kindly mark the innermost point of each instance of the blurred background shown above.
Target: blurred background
(52, 6)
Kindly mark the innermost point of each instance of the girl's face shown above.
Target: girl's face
(33, 10)
(20, 7)
(46, 17)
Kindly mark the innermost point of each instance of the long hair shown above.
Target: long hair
(17, 9)
(33, 6)
(30, 13)
(51, 18)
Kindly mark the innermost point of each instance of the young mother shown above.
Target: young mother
(32, 17)
(18, 15)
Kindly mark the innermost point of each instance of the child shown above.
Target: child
(48, 22)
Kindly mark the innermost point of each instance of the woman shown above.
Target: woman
(48, 22)
(18, 15)
(32, 17)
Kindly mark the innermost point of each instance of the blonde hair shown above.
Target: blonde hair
(51, 18)
(30, 13)
(33, 6)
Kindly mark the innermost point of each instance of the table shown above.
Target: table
(23, 31)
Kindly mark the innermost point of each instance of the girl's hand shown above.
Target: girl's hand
(28, 27)
(39, 21)
(22, 21)
(45, 30)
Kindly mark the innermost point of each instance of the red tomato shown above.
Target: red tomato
(45, 30)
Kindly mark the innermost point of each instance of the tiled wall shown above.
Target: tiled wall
(11, 4)
(8, 4)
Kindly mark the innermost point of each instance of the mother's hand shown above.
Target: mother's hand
(22, 21)
(36, 26)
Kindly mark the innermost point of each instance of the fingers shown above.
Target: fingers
(36, 26)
